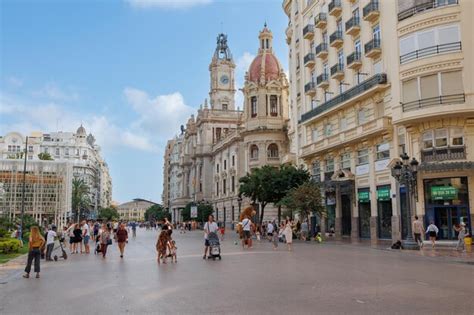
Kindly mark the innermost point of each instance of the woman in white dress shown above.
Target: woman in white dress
(289, 233)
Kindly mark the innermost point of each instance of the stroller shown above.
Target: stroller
(63, 253)
(214, 246)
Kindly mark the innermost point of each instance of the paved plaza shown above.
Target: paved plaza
(313, 279)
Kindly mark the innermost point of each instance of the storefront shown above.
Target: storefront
(447, 204)
(363, 198)
(384, 210)
(330, 211)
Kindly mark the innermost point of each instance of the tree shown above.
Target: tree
(108, 214)
(45, 156)
(204, 210)
(305, 199)
(156, 213)
(80, 197)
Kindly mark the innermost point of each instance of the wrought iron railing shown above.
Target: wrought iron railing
(371, 45)
(321, 78)
(370, 7)
(335, 36)
(321, 47)
(320, 17)
(434, 101)
(423, 7)
(334, 4)
(308, 29)
(353, 21)
(338, 67)
(429, 51)
(355, 56)
(309, 57)
(309, 86)
(380, 78)
(443, 154)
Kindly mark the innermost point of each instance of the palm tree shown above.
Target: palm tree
(80, 196)
(45, 156)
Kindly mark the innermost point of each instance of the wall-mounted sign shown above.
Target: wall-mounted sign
(363, 196)
(444, 193)
(381, 165)
(194, 211)
(383, 194)
(362, 169)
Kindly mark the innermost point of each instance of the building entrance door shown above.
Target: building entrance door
(346, 211)
(446, 217)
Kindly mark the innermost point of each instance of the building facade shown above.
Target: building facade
(48, 188)
(370, 80)
(223, 143)
(77, 149)
(134, 210)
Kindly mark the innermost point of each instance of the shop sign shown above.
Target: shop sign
(194, 211)
(363, 196)
(362, 169)
(444, 193)
(383, 194)
(381, 165)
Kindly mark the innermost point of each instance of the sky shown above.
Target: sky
(130, 71)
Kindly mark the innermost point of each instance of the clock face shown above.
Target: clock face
(224, 79)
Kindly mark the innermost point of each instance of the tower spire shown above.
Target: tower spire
(222, 50)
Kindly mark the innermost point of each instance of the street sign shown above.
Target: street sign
(383, 194)
(194, 211)
(363, 196)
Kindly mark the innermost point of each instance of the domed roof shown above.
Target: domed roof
(81, 130)
(265, 63)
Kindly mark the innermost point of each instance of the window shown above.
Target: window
(30, 148)
(224, 188)
(401, 140)
(362, 156)
(217, 168)
(46, 150)
(328, 130)
(357, 46)
(429, 86)
(383, 151)
(272, 151)
(339, 25)
(66, 151)
(410, 90)
(362, 116)
(218, 133)
(57, 152)
(428, 140)
(325, 37)
(254, 152)
(441, 138)
(329, 165)
(340, 57)
(314, 135)
(451, 83)
(273, 105)
(316, 171)
(457, 136)
(225, 165)
(77, 151)
(232, 182)
(217, 188)
(376, 32)
(233, 160)
(253, 104)
(346, 161)
(325, 68)
(224, 106)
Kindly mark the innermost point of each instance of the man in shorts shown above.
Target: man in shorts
(246, 228)
(86, 235)
(209, 227)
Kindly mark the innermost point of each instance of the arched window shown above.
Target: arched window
(253, 106)
(273, 105)
(272, 151)
(254, 152)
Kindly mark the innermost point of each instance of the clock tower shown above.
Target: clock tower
(222, 76)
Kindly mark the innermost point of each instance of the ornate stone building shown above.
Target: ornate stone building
(222, 143)
(359, 100)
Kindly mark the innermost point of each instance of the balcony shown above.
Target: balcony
(353, 26)
(308, 31)
(310, 89)
(371, 11)
(322, 81)
(373, 48)
(443, 154)
(309, 60)
(322, 50)
(420, 8)
(335, 8)
(377, 80)
(336, 39)
(354, 60)
(337, 71)
(321, 20)
(434, 101)
(429, 51)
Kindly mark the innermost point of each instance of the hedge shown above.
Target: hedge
(9, 245)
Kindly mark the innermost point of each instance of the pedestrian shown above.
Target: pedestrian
(432, 232)
(105, 240)
(270, 229)
(122, 238)
(50, 236)
(86, 235)
(70, 234)
(36, 241)
(77, 238)
(134, 229)
(209, 227)
(289, 234)
(418, 229)
(96, 231)
(304, 230)
(275, 235)
(162, 245)
(246, 228)
(461, 229)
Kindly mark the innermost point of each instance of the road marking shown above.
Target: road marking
(422, 283)
(360, 302)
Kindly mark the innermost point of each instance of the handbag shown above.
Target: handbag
(109, 242)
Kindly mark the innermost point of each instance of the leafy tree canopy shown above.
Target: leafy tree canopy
(108, 214)
(204, 210)
(156, 213)
(45, 156)
(305, 199)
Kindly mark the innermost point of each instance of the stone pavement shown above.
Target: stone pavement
(314, 278)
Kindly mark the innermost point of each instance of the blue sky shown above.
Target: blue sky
(131, 71)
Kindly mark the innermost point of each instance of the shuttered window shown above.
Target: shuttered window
(451, 83)
(410, 90)
(429, 86)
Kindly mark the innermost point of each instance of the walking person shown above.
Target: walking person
(418, 230)
(209, 227)
(162, 244)
(288, 232)
(275, 235)
(36, 241)
(270, 229)
(304, 230)
(50, 237)
(122, 238)
(461, 229)
(86, 235)
(77, 238)
(246, 228)
(105, 240)
(432, 232)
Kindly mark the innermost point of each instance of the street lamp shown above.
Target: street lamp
(239, 201)
(405, 173)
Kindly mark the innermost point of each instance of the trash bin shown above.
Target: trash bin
(468, 241)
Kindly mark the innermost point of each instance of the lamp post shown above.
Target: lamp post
(239, 201)
(405, 173)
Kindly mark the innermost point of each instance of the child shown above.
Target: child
(258, 235)
(162, 245)
(173, 250)
(318, 238)
(275, 237)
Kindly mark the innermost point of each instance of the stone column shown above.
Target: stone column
(373, 197)
(355, 206)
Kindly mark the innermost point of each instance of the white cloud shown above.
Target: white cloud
(243, 62)
(167, 4)
(14, 82)
(241, 67)
(52, 91)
